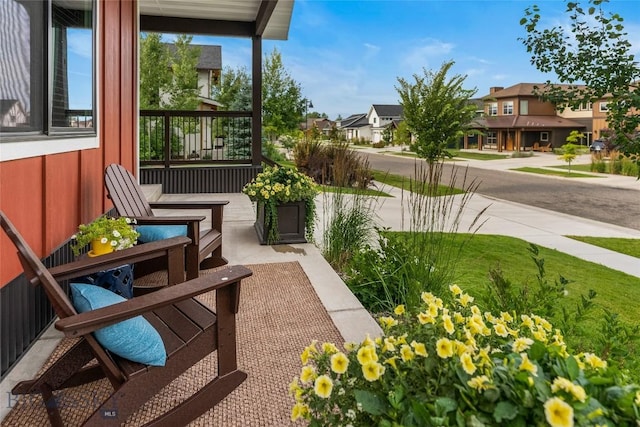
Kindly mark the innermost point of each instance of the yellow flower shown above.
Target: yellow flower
(372, 371)
(427, 297)
(594, 361)
(448, 324)
(501, 330)
(329, 348)
(399, 310)
(405, 353)
(388, 345)
(307, 374)
(433, 310)
(558, 413)
(467, 363)
(350, 346)
(419, 348)
(444, 348)
(637, 399)
(540, 335)
(526, 321)
(367, 354)
(299, 410)
(294, 386)
(459, 318)
(479, 383)
(392, 361)
(506, 317)
(455, 290)
(323, 386)
(339, 363)
(465, 299)
(425, 318)
(387, 321)
(527, 365)
(521, 344)
(367, 341)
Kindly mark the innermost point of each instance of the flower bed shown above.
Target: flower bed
(456, 366)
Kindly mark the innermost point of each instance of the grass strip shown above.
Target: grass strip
(541, 171)
(625, 246)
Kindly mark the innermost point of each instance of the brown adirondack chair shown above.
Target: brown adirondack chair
(189, 330)
(205, 250)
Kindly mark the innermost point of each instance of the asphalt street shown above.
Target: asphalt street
(592, 200)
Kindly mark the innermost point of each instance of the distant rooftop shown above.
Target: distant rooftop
(210, 56)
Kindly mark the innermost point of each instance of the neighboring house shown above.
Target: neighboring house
(380, 116)
(356, 127)
(515, 119)
(324, 125)
(209, 69)
(11, 113)
(52, 178)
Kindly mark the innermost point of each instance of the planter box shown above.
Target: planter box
(290, 223)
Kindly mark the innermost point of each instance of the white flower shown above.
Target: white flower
(116, 233)
(104, 240)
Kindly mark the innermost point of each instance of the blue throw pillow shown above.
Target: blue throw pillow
(134, 339)
(151, 233)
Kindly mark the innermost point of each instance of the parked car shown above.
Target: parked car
(598, 146)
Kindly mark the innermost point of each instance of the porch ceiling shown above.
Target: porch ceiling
(267, 18)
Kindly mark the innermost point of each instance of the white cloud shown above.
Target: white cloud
(426, 50)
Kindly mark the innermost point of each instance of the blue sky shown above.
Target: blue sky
(347, 55)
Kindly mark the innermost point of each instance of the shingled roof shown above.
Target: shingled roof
(387, 110)
(523, 89)
(210, 56)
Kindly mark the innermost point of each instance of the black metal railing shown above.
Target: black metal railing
(171, 137)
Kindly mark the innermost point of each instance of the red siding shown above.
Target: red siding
(47, 197)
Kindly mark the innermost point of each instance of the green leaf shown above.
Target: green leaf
(505, 411)
(420, 413)
(371, 402)
(537, 351)
(446, 404)
(592, 10)
(573, 370)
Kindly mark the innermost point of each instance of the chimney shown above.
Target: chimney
(495, 89)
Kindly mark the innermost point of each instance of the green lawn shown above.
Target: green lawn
(542, 171)
(405, 183)
(477, 156)
(629, 247)
(483, 252)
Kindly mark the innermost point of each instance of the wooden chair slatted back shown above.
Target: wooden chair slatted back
(125, 193)
(36, 273)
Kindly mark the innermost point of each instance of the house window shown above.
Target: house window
(544, 136)
(48, 69)
(604, 106)
(492, 138)
(524, 107)
(493, 109)
(507, 108)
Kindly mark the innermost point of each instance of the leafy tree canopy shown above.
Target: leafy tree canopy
(282, 103)
(593, 51)
(234, 91)
(436, 109)
(155, 74)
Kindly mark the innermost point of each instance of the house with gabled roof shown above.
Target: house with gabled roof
(380, 116)
(11, 113)
(515, 118)
(356, 127)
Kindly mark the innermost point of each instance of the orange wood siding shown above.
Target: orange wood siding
(540, 108)
(47, 197)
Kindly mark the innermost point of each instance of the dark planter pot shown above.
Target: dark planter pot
(291, 227)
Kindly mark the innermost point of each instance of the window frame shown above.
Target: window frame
(492, 109)
(524, 111)
(50, 139)
(603, 107)
(507, 108)
(544, 136)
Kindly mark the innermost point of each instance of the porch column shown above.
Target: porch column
(256, 113)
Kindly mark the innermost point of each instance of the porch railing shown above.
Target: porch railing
(173, 138)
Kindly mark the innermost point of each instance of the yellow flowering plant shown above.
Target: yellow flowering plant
(453, 365)
(276, 185)
(118, 232)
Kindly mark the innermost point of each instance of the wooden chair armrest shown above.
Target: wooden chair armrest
(166, 220)
(88, 265)
(188, 205)
(84, 323)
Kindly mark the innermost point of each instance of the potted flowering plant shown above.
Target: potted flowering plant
(452, 365)
(286, 205)
(105, 235)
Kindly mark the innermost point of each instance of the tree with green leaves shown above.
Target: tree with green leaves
(569, 152)
(282, 103)
(402, 135)
(155, 72)
(437, 111)
(184, 89)
(594, 58)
